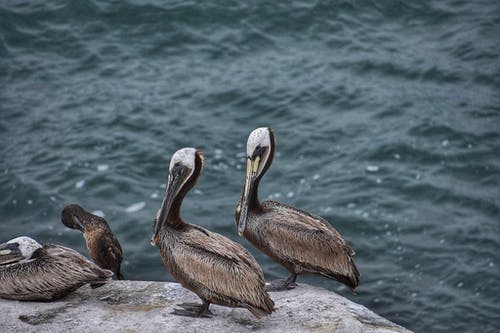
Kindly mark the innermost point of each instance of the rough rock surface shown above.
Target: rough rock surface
(142, 306)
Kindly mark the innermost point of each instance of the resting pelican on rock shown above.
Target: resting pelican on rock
(32, 272)
(301, 242)
(102, 244)
(212, 266)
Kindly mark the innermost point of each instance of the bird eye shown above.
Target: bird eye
(259, 150)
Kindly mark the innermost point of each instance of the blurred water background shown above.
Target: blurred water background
(386, 115)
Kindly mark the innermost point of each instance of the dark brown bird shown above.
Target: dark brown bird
(301, 242)
(32, 272)
(102, 244)
(212, 266)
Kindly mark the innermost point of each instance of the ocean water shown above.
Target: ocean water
(386, 115)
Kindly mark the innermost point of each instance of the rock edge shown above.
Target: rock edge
(140, 306)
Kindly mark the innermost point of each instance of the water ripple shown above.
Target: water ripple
(385, 114)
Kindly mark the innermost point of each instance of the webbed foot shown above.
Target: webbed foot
(193, 310)
(280, 285)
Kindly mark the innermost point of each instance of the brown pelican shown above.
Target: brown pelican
(301, 242)
(212, 266)
(32, 272)
(102, 244)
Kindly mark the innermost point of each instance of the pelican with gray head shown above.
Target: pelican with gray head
(32, 272)
(212, 266)
(301, 242)
(102, 244)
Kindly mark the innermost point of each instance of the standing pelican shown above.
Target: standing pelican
(32, 272)
(301, 242)
(102, 244)
(212, 266)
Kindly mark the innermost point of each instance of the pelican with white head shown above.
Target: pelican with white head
(19, 249)
(301, 242)
(260, 152)
(212, 266)
(181, 169)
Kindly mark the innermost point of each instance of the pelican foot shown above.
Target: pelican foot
(280, 285)
(193, 310)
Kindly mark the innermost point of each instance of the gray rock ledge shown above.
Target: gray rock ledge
(142, 306)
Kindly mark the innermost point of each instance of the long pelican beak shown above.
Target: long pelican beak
(173, 186)
(10, 253)
(78, 224)
(72, 221)
(252, 167)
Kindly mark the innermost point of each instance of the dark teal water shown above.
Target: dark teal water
(386, 114)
